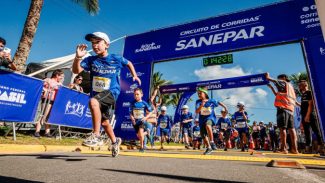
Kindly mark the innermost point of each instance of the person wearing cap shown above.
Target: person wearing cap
(139, 114)
(164, 124)
(186, 124)
(224, 125)
(263, 134)
(285, 102)
(196, 135)
(309, 122)
(5, 57)
(240, 118)
(104, 71)
(204, 108)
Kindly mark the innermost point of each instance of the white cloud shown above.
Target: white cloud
(217, 72)
(251, 96)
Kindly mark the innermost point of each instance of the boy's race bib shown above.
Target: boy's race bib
(196, 133)
(241, 124)
(101, 84)
(163, 124)
(205, 111)
(138, 113)
(224, 125)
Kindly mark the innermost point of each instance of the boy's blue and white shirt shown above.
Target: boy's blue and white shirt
(104, 73)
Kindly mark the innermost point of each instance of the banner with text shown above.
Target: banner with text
(19, 97)
(218, 84)
(276, 23)
(70, 108)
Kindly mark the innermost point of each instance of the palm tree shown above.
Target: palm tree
(295, 78)
(31, 24)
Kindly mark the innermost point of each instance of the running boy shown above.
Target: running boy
(164, 123)
(104, 71)
(186, 120)
(224, 124)
(240, 118)
(139, 114)
(205, 110)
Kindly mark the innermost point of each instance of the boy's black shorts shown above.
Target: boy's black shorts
(106, 103)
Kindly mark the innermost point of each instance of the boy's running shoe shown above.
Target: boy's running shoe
(116, 147)
(93, 141)
(207, 151)
(213, 146)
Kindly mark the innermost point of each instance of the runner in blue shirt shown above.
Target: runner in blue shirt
(205, 110)
(139, 114)
(196, 135)
(104, 71)
(224, 124)
(164, 123)
(240, 118)
(186, 123)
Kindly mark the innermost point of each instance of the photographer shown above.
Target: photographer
(5, 57)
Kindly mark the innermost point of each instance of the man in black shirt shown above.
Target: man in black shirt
(5, 57)
(308, 116)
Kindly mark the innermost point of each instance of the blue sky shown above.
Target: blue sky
(63, 25)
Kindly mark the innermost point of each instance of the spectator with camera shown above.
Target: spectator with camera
(5, 57)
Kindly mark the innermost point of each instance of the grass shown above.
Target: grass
(29, 140)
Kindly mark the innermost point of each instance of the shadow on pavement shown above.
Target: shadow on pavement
(57, 157)
(175, 177)
(4, 179)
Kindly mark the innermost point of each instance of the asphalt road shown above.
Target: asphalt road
(77, 167)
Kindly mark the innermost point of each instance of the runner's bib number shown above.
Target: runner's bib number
(101, 84)
(205, 111)
(163, 124)
(138, 113)
(196, 133)
(241, 124)
(224, 125)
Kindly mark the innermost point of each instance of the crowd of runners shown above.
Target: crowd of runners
(197, 129)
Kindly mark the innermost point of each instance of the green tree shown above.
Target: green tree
(31, 24)
(295, 78)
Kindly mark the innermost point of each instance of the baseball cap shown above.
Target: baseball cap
(240, 104)
(184, 107)
(164, 108)
(100, 35)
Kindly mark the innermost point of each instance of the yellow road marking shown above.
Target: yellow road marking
(213, 157)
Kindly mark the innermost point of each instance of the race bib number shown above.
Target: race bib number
(196, 133)
(224, 125)
(163, 124)
(241, 124)
(205, 111)
(101, 84)
(138, 113)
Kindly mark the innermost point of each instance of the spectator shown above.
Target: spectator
(5, 57)
(76, 84)
(256, 135)
(309, 121)
(50, 89)
(273, 137)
